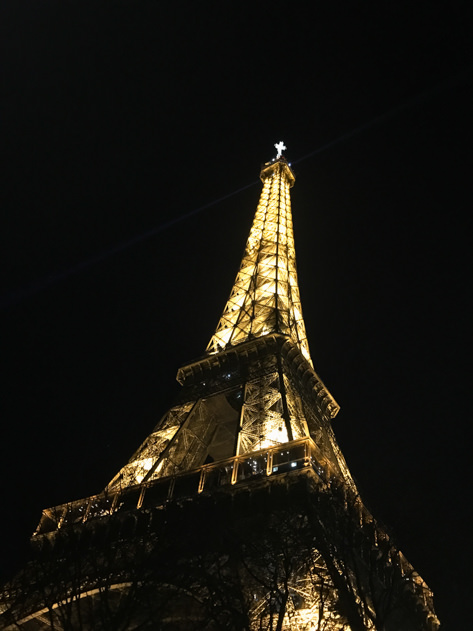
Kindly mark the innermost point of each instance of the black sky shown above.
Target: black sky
(118, 118)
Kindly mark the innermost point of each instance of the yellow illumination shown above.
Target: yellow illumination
(146, 460)
(142, 468)
(264, 301)
(265, 297)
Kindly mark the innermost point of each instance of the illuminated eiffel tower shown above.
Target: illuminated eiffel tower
(238, 511)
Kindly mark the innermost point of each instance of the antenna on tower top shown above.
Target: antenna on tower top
(280, 146)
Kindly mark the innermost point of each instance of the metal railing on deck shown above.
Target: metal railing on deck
(273, 461)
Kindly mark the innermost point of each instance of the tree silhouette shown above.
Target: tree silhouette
(294, 555)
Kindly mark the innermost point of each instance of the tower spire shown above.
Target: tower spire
(265, 296)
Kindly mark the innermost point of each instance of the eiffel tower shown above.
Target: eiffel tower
(238, 511)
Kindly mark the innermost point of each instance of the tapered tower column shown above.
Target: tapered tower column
(265, 296)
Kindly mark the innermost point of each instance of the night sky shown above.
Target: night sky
(133, 135)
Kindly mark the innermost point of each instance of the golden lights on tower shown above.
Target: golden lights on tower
(265, 296)
(264, 303)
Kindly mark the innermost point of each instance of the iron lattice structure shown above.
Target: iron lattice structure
(238, 511)
(265, 297)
